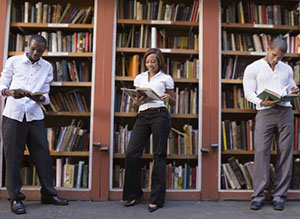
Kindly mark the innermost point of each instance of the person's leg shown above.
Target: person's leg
(284, 161)
(161, 126)
(139, 138)
(264, 132)
(14, 138)
(39, 151)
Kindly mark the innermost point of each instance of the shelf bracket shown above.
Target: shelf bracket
(204, 150)
(101, 147)
(214, 145)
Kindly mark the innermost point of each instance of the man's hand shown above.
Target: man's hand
(294, 90)
(268, 102)
(15, 93)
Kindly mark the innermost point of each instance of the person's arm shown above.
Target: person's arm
(44, 99)
(293, 88)
(6, 79)
(250, 85)
(169, 97)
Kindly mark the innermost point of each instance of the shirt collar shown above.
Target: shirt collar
(26, 60)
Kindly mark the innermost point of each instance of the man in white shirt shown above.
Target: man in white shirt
(22, 122)
(269, 72)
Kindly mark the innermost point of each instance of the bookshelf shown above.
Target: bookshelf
(244, 39)
(70, 51)
(178, 39)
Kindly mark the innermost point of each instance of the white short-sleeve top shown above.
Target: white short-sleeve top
(160, 82)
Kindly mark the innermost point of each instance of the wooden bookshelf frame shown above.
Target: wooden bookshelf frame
(251, 28)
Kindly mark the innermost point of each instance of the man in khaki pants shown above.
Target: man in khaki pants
(269, 72)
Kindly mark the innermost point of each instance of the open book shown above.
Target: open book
(137, 93)
(30, 94)
(275, 96)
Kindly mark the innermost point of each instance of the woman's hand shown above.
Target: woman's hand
(165, 97)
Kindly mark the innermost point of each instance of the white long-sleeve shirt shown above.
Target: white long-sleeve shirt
(259, 76)
(19, 72)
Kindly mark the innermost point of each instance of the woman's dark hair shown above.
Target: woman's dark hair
(160, 58)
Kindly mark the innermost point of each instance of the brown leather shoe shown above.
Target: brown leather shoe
(17, 207)
(53, 200)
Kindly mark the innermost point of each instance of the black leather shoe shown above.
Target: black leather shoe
(132, 202)
(53, 200)
(17, 207)
(154, 208)
(256, 205)
(278, 205)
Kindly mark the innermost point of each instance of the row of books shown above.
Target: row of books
(257, 42)
(186, 102)
(235, 175)
(57, 42)
(71, 70)
(183, 142)
(233, 67)
(29, 175)
(234, 98)
(237, 135)
(72, 101)
(250, 12)
(68, 138)
(177, 177)
(131, 66)
(46, 13)
(73, 175)
(144, 37)
(158, 10)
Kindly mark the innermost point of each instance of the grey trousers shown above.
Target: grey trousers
(267, 121)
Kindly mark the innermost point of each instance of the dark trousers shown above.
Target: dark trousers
(157, 122)
(15, 135)
(282, 119)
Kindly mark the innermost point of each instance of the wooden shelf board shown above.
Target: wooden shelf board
(177, 116)
(164, 50)
(247, 53)
(186, 24)
(176, 80)
(66, 153)
(51, 25)
(231, 81)
(83, 114)
(259, 26)
(58, 54)
(238, 111)
(170, 156)
(71, 84)
(242, 152)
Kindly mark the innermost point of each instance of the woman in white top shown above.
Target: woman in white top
(153, 117)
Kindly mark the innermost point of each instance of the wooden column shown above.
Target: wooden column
(102, 98)
(210, 99)
(2, 32)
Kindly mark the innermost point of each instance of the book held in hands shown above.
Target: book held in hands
(137, 93)
(275, 96)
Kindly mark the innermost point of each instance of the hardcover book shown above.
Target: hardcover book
(275, 96)
(137, 93)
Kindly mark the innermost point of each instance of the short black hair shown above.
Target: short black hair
(279, 44)
(38, 38)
